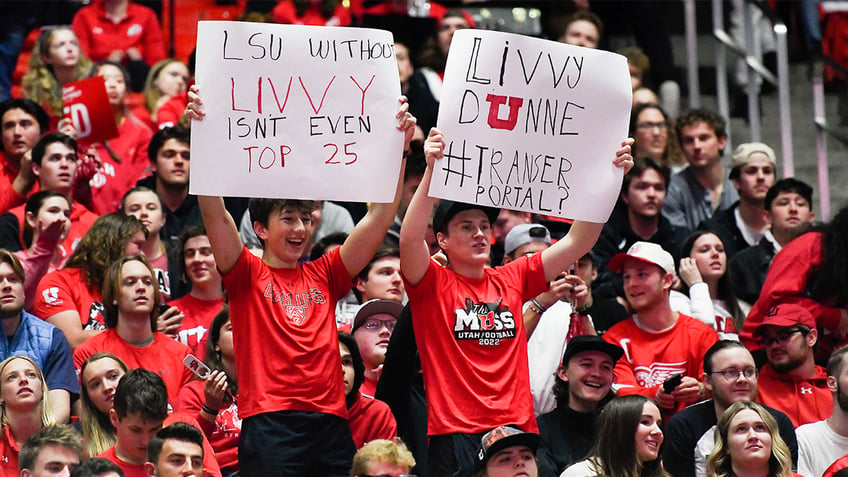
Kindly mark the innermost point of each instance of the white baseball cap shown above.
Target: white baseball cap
(648, 252)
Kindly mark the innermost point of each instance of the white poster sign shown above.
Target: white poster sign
(296, 112)
(532, 125)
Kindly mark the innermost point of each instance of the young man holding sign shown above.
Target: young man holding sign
(476, 314)
(292, 395)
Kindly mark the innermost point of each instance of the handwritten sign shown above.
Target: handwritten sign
(296, 112)
(87, 105)
(532, 125)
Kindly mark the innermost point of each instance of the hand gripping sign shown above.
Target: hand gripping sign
(296, 112)
(532, 125)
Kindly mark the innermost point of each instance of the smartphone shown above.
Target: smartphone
(672, 382)
(196, 366)
(163, 308)
(572, 268)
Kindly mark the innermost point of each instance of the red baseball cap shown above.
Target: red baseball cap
(786, 314)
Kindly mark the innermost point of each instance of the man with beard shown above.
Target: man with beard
(25, 334)
(731, 376)
(821, 443)
(791, 381)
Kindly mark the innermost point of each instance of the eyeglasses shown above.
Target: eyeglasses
(376, 324)
(781, 336)
(732, 374)
(646, 127)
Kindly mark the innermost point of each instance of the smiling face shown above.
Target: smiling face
(649, 436)
(147, 208)
(100, 380)
(748, 440)
(645, 284)
(709, 255)
(589, 375)
(20, 385)
(199, 261)
(512, 462)
(286, 235)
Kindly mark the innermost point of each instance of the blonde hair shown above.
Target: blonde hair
(720, 464)
(96, 426)
(392, 452)
(40, 84)
(47, 417)
(151, 91)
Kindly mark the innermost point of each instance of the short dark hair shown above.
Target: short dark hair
(789, 184)
(320, 247)
(260, 208)
(139, 188)
(48, 139)
(141, 392)
(178, 132)
(701, 115)
(28, 106)
(585, 15)
(96, 467)
(835, 362)
(416, 164)
(640, 165)
(179, 431)
(56, 435)
(381, 253)
(14, 262)
(719, 345)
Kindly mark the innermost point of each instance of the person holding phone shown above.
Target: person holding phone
(658, 343)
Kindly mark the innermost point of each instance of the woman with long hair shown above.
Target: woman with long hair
(748, 444)
(71, 299)
(214, 401)
(24, 407)
(167, 79)
(56, 61)
(655, 137)
(99, 376)
(705, 279)
(629, 441)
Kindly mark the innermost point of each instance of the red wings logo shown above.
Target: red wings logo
(656, 373)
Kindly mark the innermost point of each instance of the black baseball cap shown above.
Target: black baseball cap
(448, 208)
(581, 343)
(499, 439)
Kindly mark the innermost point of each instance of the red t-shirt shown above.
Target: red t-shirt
(370, 419)
(99, 36)
(130, 470)
(81, 220)
(650, 358)
(164, 357)
(9, 197)
(471, 337)
(160, 271)
(284, 333)
(368, 387)
(65, 290)
(198, 316)
(224, 433)
(803, 400)
(8, 453)
(115, 178)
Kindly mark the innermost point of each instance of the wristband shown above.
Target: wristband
(209, 410)
(538, 305)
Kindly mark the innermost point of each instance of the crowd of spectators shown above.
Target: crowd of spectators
(149, 331)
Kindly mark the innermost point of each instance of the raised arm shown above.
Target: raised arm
(582, 235)
(220, 226)
(369, 233)
(414, 252)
